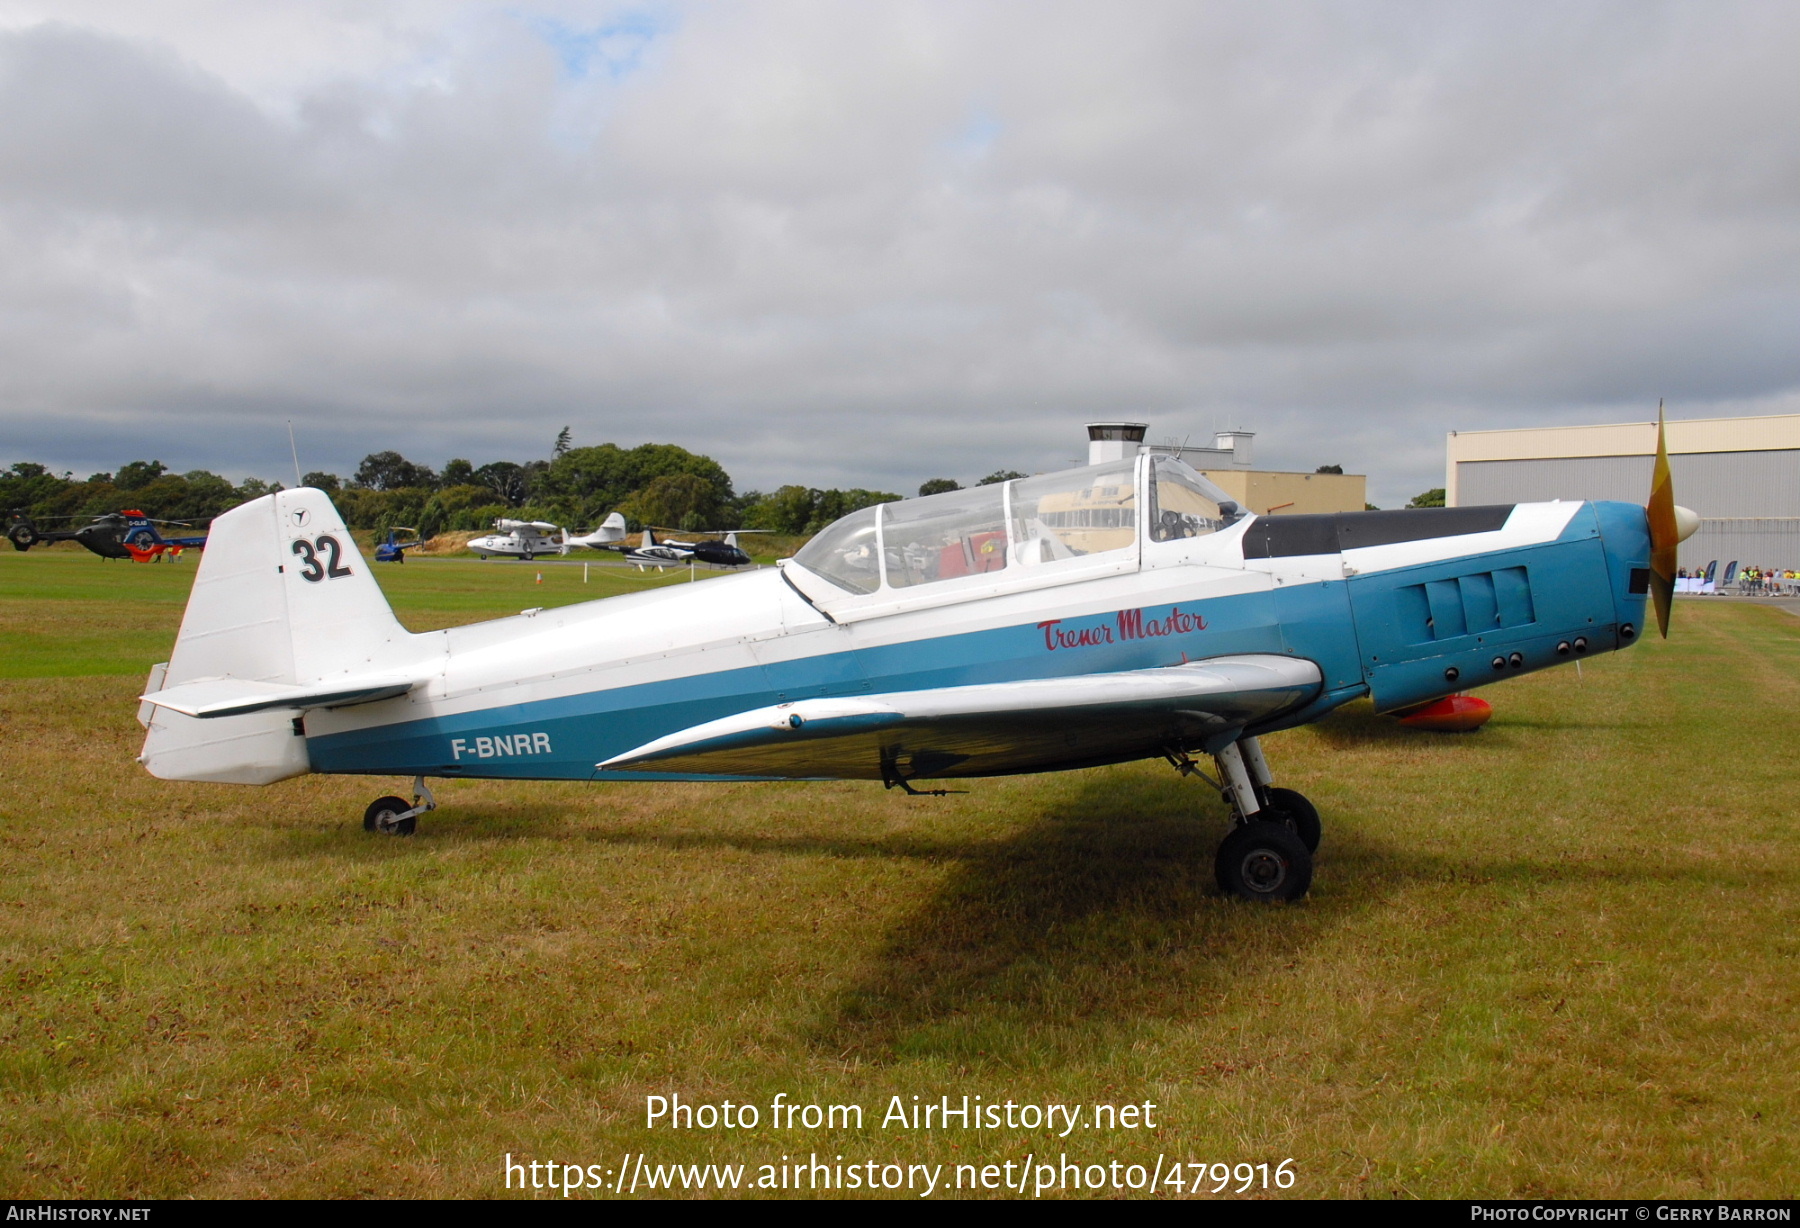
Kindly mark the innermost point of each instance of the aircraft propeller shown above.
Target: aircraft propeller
(1670, 525)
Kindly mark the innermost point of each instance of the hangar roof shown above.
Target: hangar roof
(1774, 432)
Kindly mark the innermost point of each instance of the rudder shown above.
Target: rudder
(281, 596)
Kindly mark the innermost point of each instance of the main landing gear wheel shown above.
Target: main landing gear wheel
(1264, 860)
(382, 816)
(526, 557)
(1300, 815)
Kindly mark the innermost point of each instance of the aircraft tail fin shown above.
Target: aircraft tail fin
(283, 597)
(649, 538)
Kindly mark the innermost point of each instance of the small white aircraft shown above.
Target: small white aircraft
(1116, 612)
(607, 537)
(719, 553)
(521, 539)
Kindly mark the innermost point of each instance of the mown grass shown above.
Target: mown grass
(1558, 957)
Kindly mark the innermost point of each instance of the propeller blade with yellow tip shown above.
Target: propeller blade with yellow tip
(1669, 527)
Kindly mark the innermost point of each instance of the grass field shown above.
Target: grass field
(1560, 957)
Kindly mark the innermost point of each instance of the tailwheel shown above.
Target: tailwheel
(392, 816)
(1300, 815)
(1264, 860)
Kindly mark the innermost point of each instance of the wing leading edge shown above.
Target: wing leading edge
(988, 730)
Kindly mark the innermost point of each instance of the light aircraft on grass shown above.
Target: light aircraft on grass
(649, 552)
(607, 537)
(1115, 612)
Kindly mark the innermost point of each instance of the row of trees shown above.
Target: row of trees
(149, 486)
(653, 484)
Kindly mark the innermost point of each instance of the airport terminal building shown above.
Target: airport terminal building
(1742, 475)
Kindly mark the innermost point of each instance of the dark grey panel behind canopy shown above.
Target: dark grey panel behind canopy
(1275, 537)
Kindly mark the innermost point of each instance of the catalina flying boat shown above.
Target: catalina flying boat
(1120, 611)
(518, 539)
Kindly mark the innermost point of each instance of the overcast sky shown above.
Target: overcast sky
(867, 244)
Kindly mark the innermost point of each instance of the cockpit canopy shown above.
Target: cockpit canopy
(1067, 520)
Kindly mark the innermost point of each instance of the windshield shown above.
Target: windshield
(1182, 503)
(845, 552)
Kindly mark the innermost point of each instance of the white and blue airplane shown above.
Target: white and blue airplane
(1115, 612)
(519, 539)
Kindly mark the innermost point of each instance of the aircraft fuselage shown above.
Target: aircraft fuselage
(1401, 610)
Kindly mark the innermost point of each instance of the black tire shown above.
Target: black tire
(526, 557)
(1301, 816)
(22, 536)
(379, 817)
(1264, 861)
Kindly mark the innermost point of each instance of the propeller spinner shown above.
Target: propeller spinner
(1670, 525)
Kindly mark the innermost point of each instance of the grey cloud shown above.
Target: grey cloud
(870, 244)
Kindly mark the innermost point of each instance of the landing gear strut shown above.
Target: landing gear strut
(1274, 832)
(393, 816)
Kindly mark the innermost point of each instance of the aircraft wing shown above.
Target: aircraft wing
(988, 729)
(238, 696)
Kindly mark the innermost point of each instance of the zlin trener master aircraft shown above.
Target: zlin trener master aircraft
(1115, 612)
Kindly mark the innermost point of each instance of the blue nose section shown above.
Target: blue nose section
(1452, 624)
(1625, 535)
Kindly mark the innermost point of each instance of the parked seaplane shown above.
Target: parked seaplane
(1120, 611)
(526, 539)
(520, 539)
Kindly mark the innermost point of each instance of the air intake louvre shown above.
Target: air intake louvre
(1467, 605)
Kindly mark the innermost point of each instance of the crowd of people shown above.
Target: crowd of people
(1750, 581)
(1768, 581)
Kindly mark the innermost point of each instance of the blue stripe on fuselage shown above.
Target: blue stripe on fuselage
(585, 729)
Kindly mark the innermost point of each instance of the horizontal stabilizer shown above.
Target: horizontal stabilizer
(236, 697)
(987, 729)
